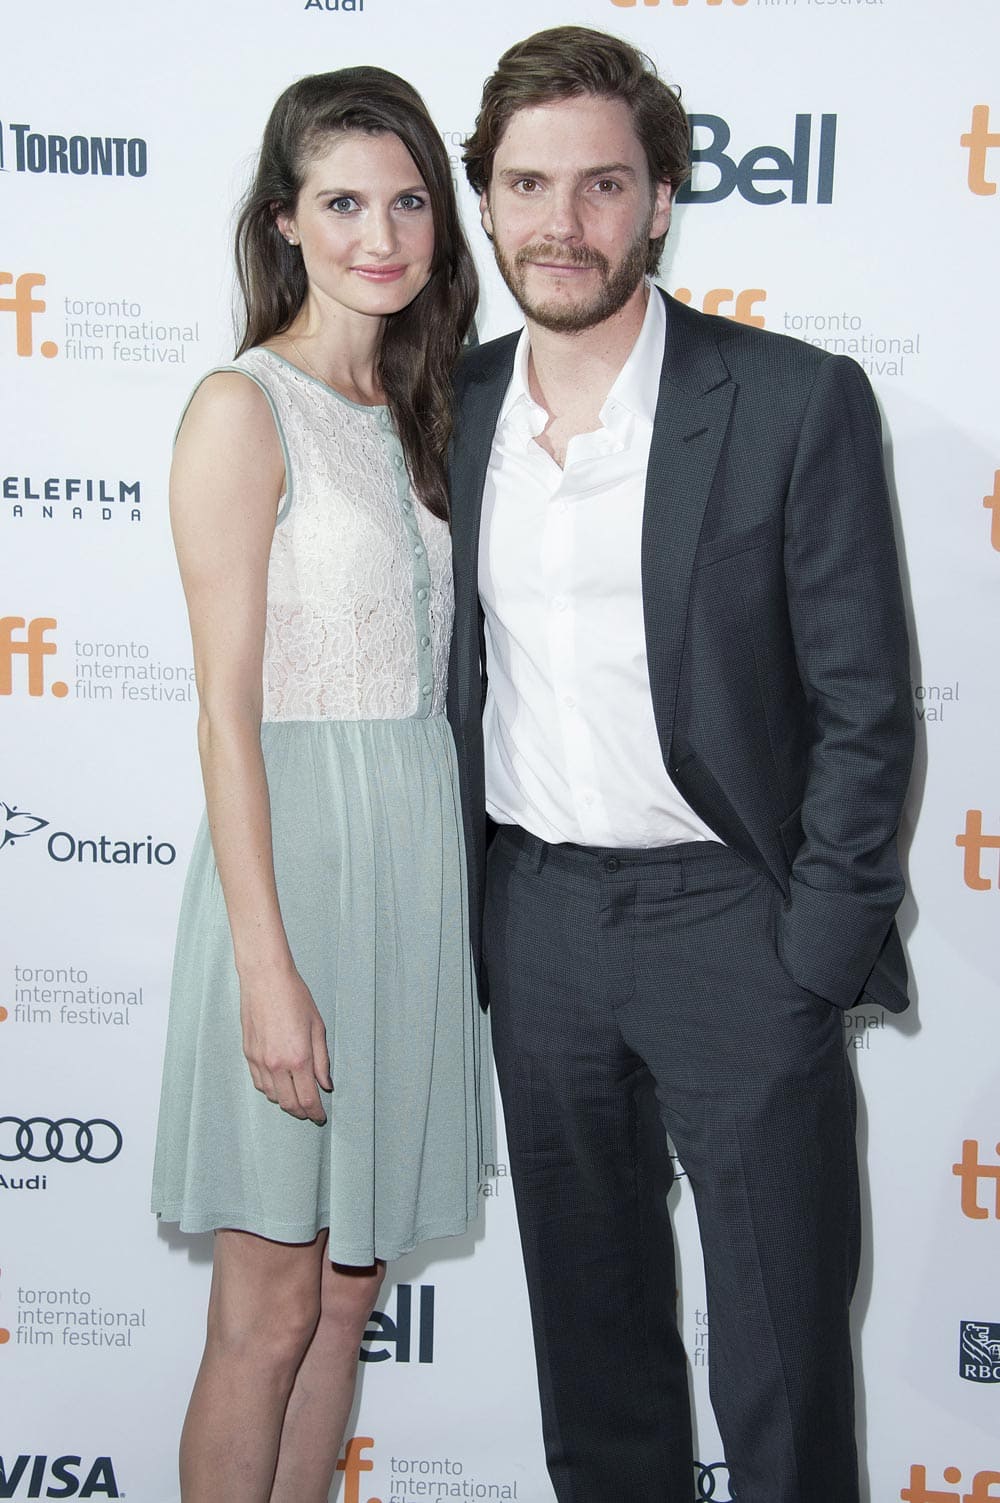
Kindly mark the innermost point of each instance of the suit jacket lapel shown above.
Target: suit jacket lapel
(692, 416)
(481, 388)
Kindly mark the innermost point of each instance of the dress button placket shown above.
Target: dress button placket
(421, 573)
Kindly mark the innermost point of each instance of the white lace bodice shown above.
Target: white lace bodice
(359, 588)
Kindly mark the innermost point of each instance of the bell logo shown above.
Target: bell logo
(970, 1170)
(979, 140)
(992, 503)
(983, 1484)
(352, 1464)
(721, 299)
(33, 647)
(973, 842)
(24, 305)
(763, 164)
(399, 1332)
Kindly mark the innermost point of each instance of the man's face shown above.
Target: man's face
(571, 210)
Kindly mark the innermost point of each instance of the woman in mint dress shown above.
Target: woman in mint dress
(326, 1093)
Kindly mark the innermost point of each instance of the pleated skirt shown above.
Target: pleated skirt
(370, 871)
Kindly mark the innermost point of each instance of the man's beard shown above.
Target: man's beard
(616, 286)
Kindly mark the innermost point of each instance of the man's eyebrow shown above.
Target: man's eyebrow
(619, 169)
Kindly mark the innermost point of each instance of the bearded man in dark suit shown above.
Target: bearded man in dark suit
(681, 705)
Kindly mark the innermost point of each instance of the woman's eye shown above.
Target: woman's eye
(411, 201)
(342, 205)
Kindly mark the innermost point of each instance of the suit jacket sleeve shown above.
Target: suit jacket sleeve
(849, 633)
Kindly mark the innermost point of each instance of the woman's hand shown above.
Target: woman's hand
(284, 1040)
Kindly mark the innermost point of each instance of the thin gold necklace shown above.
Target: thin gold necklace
(306, 361)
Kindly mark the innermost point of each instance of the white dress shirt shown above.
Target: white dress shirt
(572, 752)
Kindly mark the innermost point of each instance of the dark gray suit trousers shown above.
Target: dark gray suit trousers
(637, 991)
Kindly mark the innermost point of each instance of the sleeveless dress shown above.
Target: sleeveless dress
(370, 871)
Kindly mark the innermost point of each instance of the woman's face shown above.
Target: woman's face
(363, 220)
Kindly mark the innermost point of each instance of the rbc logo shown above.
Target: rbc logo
(763, 164)
(970, 1170)
(979, 1351)
(979, 140)
(981, 1491)
(24, 305)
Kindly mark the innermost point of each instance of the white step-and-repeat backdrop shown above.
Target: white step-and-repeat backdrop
(848, 157)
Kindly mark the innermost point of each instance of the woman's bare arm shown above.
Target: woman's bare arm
(225, 484)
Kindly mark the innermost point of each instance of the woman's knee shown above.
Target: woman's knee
(349, 1295)
(265, 1300)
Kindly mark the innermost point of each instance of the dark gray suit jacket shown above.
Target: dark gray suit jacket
(775, 631)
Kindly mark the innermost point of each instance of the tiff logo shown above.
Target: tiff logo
(974, 842)
(979, 140)
(992, 503)
(721, 299)
(352, 1464)
(628, 4)
(983, 1484)
(24, 305)
(33, 648)
(970, 1170)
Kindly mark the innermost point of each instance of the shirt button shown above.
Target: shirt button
(421, 594)
(418, 552)
(425, 641)
(559, 603)
(397, 460)
(385, 419)
(407, 507)
(425, 691)
(569, 701)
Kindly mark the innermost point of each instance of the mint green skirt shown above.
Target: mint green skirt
(370, 870)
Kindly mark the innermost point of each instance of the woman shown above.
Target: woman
(309, 511)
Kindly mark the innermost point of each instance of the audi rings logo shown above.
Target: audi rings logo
(713, 1482)
(66, 1141)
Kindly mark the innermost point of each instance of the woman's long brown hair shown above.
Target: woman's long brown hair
(421, 342)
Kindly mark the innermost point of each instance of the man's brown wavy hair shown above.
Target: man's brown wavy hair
(563, 63)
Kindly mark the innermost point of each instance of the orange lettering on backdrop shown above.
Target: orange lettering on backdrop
(992, 503)
(716, 300)
(970, 1170)
(979, 139)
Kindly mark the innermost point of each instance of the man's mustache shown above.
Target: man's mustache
(565, 255)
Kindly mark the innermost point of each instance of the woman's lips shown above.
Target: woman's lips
(380, 273)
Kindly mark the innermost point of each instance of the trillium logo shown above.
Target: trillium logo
(17, 824)
(103, 850)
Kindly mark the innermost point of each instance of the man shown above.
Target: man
(695, 746)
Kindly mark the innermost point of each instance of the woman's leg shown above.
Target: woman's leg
(323, 1392)
(262, 1313)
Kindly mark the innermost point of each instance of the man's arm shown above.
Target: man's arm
(848, 627)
